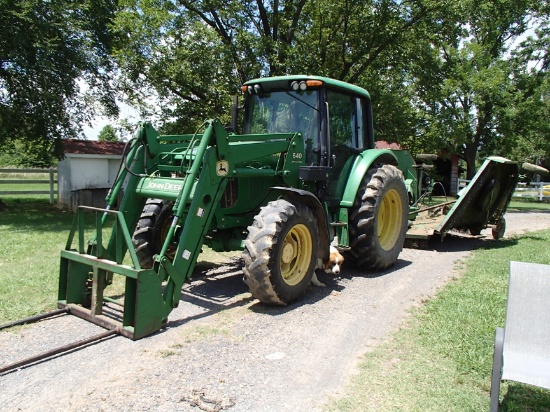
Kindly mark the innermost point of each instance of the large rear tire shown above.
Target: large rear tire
(280, 252)
(378, 219)
(151, 231)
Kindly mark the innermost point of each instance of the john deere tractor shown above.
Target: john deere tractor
(302, 173)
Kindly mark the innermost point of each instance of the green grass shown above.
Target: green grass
(442, 359)
(529, 205)
(32, 234)
(25, 187)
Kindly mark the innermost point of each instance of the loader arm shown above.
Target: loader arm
(193, 171)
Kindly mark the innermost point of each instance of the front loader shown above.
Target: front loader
(303, 174)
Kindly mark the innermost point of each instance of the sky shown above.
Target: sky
(99, 123)
(126, 112)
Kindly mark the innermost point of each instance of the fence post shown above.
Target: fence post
(51, 186)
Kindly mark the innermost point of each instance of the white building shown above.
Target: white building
(87, 172)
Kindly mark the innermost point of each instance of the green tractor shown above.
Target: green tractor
(303, 175)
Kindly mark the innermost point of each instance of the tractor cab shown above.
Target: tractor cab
(333, 117)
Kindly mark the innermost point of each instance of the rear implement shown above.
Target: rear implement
(481, 204)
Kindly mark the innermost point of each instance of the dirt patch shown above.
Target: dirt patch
(222, 350)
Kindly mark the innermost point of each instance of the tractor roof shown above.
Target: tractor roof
(283, 82)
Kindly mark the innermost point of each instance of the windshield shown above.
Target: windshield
(286, 112)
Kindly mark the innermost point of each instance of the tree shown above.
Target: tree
(24, 153)
(440, 73)
(532, 111)
(50, 51)
(173, 66)
(193, 55)
(468, 95)
(107, 134)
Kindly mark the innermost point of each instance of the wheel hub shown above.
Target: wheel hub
(296, 254)
(288, 252)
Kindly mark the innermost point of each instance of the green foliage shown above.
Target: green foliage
(27, 153)
(440, 73)
(460, 76)
(107, 134)
(192, 56)
(55, 63)
(532, 109)
(474, 97)
(177, 59)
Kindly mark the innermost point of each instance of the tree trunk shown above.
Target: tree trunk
(470, 152)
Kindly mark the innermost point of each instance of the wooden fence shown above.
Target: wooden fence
(52, 181)
(538, 190)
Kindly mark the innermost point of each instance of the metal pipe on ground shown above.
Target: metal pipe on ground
(57, 351)
(34, 318)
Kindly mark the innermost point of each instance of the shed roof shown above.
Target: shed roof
(95, 147)
(382, 144)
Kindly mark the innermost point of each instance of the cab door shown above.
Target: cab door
(347, 134)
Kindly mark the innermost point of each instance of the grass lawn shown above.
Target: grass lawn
(25, 186)
(526, 205)
(442, 359)
(32, 234)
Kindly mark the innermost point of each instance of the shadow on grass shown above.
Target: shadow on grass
(522, 397)
(39, 215)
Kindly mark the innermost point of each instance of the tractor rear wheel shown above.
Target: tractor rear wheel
(280, 252)
(379, 218)
(151, 231)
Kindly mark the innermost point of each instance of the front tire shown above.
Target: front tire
(151, 231)
(379, 218)
(280, 252)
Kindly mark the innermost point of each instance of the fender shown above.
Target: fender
(318, 211)
(360, 166)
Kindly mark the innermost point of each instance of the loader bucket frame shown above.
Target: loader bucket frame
(86, 271)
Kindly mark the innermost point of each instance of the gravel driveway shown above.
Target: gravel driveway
(222, 350)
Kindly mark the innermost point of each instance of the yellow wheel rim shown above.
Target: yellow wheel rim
(296, 254)
(390, 216)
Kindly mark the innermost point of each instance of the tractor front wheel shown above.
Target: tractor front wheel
(379, 218)
(151, 231)
(280, 252)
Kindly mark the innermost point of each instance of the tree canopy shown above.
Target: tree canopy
(469, 77)
(54, 61)
(477, 79)
(107, 134)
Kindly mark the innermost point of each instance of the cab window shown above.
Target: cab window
(346, 114)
